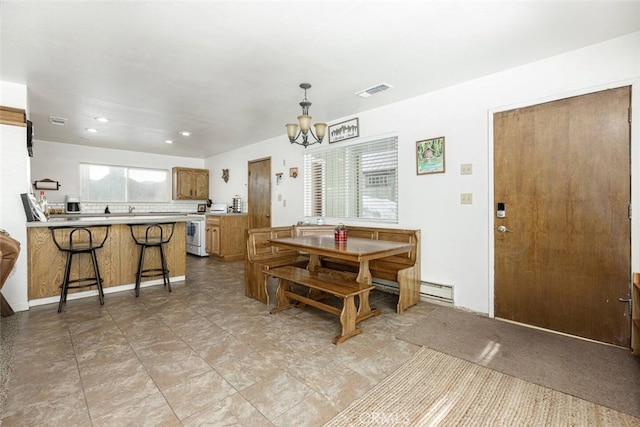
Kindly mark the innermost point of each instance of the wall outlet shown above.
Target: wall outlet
(466, 198)
(466, 169)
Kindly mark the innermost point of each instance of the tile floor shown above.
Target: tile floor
(202, 355)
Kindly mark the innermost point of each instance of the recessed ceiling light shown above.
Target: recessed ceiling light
(91, 130)
(102, 119)
(185, 133)
(168, 141)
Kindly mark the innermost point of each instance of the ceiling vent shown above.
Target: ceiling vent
(57, 121)
(373, 90)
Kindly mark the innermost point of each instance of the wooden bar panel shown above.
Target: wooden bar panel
(117, 260)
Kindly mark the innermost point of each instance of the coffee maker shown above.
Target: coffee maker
(72, 204)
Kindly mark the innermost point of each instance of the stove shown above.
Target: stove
(197, 236)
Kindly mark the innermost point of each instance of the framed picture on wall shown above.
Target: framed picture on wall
(430, 156)
(344, 130)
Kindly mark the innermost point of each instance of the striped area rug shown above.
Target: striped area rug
(433, 388)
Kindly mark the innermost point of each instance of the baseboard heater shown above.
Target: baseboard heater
(431, 292)
(437, 291)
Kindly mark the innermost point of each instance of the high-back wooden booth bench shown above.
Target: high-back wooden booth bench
(403, 268)
(262, 256)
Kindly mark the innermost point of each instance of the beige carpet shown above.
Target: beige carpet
(433, 388)
(603, 374)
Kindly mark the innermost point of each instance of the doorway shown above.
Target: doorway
(259, 193)
(562, 235)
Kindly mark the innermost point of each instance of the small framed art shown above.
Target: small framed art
(430, 156)
(344, 130)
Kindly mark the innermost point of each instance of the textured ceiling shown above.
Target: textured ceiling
(229, 71)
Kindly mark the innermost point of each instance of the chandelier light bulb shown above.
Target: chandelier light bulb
(305, 123)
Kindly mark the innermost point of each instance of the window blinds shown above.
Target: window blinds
(353, 181)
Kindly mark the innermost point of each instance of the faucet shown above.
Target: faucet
(131, 209)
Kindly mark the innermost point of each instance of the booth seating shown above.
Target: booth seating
(404, 269)
(147, 236)
(74, 241)
(262, 257)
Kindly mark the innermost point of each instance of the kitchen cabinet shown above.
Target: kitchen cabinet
(226, 236)
(190, 184)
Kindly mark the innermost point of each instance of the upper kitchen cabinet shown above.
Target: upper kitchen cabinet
(190, 184)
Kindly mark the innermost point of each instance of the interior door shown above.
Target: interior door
(259, 193)
(562, 237)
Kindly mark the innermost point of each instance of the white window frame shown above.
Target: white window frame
(337, 183)
(164, 197)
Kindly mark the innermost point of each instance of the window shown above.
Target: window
(102, 183)
(353, 181)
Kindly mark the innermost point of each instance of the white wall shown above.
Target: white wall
(59, 162)
(14, 179)
(283, 156)
(457, 240)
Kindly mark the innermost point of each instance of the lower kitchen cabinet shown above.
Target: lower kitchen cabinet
(225, 235)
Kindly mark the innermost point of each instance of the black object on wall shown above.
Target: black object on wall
(30, 137)
(27, 207)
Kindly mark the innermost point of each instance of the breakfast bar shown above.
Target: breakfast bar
(118, 259)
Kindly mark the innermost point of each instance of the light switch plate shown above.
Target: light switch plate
(466, 198)
(466, 169)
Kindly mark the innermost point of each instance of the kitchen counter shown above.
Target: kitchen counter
(224, 213)
(118, 259)
(226, 235)
(117, 218)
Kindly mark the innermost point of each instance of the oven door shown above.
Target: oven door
(193, 233)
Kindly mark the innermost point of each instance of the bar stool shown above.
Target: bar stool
(152, 236)
(80, 240)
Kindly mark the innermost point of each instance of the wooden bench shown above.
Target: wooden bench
(403, 269)
(262, 257)
(343, 286)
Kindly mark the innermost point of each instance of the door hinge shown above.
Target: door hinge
(629, 210)
(629, 114)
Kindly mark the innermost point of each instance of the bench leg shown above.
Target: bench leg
(408, 289)
(263, 295)
(348, 321)
(314, 262)
(364, 309)
(282, 300)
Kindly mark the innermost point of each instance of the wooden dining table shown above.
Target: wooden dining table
(354, 249)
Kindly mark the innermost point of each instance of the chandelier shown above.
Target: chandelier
(305, 125)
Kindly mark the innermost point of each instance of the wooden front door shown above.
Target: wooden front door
(562, 249)
(259, 193)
